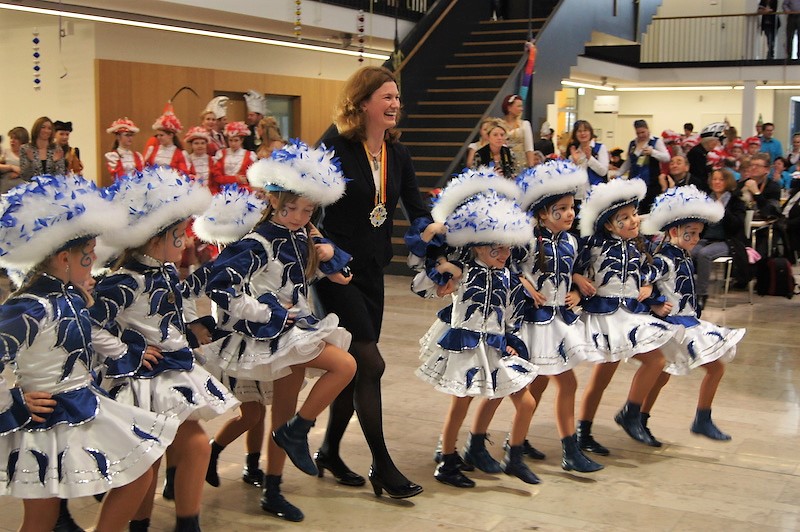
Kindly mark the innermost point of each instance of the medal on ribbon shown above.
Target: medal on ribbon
(379, 214)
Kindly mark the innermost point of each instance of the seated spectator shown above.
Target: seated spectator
(679, 175)
(496, 153)
(42, 155)
(793, 157)
(714, 239)
(780, 174)
(9, 160)
(752, 146)
(759, 192)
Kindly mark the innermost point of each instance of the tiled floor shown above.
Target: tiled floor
(691, 483)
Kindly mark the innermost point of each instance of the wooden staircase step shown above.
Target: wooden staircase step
(462, 78)
(524, 31)
(510, 21)
(431, 158)
(484, 65)
(493, 43)
(429, 174)
(484, 54)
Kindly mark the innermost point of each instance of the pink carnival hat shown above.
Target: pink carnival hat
(122, 125)
(236, 129)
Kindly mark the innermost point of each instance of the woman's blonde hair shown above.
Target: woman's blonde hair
(348, 115)
(282, 199)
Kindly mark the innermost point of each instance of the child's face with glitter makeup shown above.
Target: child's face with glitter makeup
(624, 223)
(686, 236)
(494, 256)
(559, 216)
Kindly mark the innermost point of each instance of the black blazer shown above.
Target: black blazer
(346, 222)
(733, 219)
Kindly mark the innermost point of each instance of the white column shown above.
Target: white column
(748, 109)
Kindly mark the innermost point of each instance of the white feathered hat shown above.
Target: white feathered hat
(606, 198)
(479, 207)
(154, 200)
(681, 205)
(548, 182)
(314, 173)
(232, 214)
(218, 106)
(256, 102)
(48, 214)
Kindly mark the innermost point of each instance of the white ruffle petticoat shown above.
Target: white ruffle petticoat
(624, 334)
(702, 343)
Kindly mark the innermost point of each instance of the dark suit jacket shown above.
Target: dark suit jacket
(346, 222)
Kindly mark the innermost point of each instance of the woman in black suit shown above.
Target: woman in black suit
(380, 173)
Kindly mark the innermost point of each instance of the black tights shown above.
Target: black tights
(363, 395)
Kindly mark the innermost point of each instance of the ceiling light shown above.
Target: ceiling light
(189, 31)
(581, 85)
(777, 87)
(680, 88)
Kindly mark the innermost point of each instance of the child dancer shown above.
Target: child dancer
(121, 160)
(139, 309)
(199, 162)
(60, 436)
(472, 350)
(260, 284)
(233, 213)
(618, 324)
(681, 213)
(551, 330)
(232, 162)
(166, 149)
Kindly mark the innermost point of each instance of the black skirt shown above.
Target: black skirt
(359, 304)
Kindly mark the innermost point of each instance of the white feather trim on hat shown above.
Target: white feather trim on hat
(232, 214)
(39, 217)
(488, 218)
(605, 198)
(549, 181)
(467, 184)
(256, 102)
(681, 205)
(218, 105)
(155, 199)
(314, 174)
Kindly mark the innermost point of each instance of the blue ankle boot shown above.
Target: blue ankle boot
(292, 437)
(704, 426)
(475, 454)
(514, 465)
(274, 503)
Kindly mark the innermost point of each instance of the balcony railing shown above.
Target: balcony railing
(412, 10)
(710, 38)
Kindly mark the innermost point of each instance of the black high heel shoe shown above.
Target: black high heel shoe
(403, 491)
(340, 471)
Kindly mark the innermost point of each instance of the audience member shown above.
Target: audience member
(779, 174)
(757, 191)
(256, 110)
(793, 157)
(645, 153)
(545, 143)
(519, 137)
(72, 154)
(697, 156)
(9, 160)
(769, 144)
(496, 153)
(42, 155)
(589, 155)
(679, 175)
(792, 24)
(769, 23)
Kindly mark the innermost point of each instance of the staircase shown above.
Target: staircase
(444, 113)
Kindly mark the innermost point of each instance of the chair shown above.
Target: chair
(728, 261)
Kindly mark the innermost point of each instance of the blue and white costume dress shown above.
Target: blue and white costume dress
(617, 325)
(554, 335)
(89, 443)
(139, 305)
(258, 284)
(703, 342)
(464, 351)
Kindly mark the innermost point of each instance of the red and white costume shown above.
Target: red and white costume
(123, 161)
(156, 154)
(231, 164)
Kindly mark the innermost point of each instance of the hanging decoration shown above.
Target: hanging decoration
(360, 25)
(397, 53)
(37, 56)
(527, 75)
(298, 11)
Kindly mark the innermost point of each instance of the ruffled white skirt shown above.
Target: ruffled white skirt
(701, 344)
(112, 449)
(556, 346)
(194, 394)
(624, 334)
(483, 371)
(238, 355)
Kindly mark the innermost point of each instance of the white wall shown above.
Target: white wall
(70, 98)
(693, 8)
(123, 43)
(670, 110)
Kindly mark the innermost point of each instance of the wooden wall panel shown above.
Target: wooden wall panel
(140, 91)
